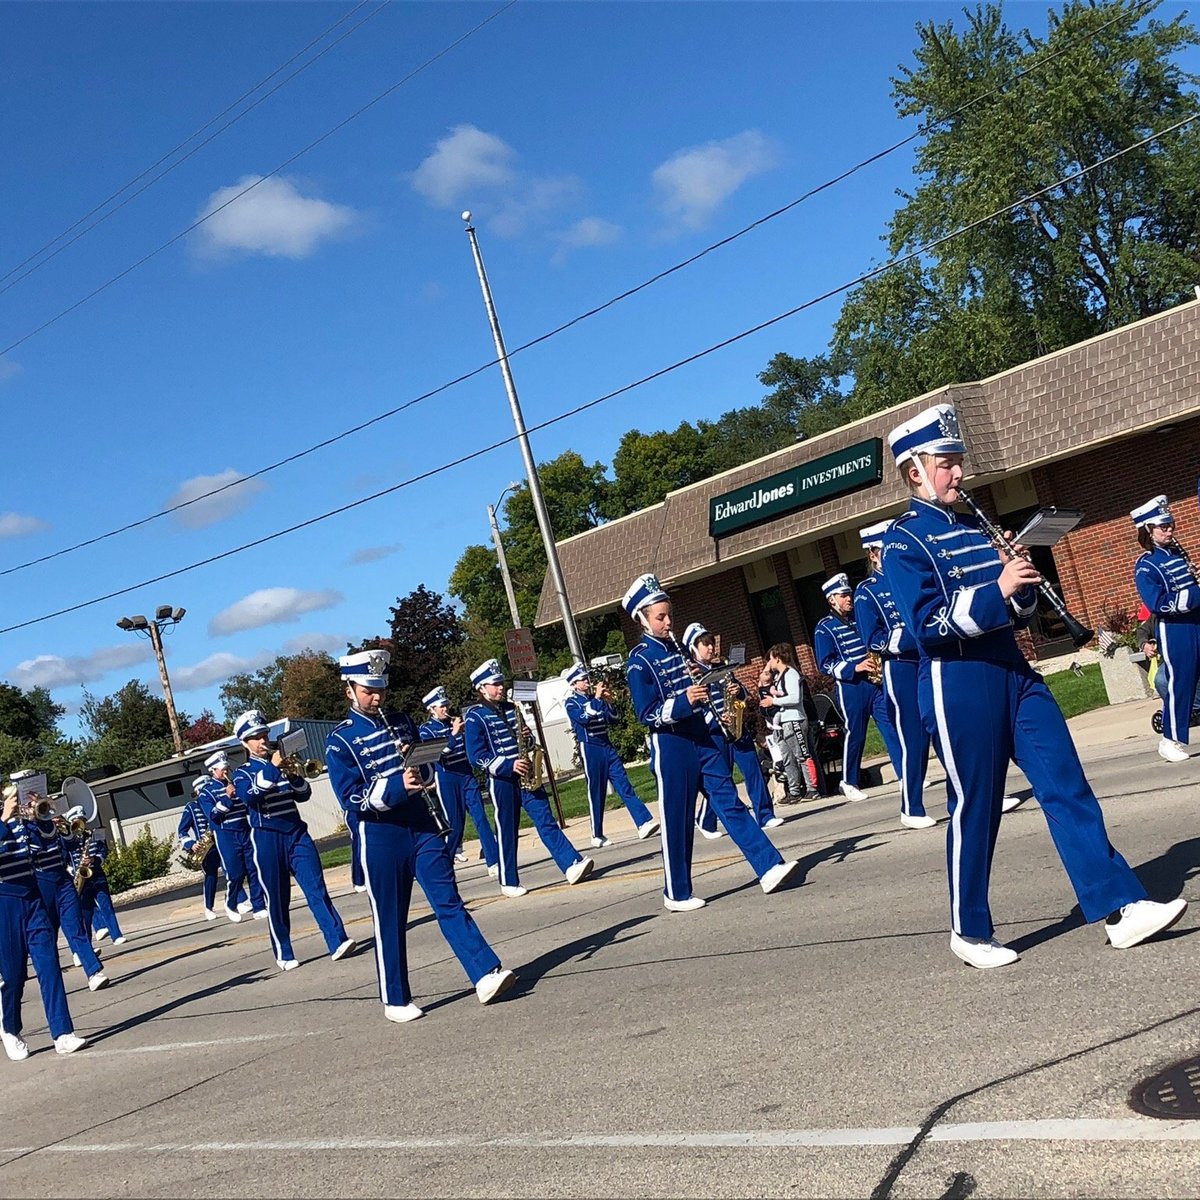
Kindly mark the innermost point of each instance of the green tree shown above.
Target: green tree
(261, 689)
(31, 716)
(311, 686)
(647, 466)
(130, 728)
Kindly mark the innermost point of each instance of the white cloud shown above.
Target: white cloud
(219, 507)
(590, 231)
(216, 668)
(370, 554)
(55, 671)
(19, 525)
(270, 606)
(272, 219)
(532, 200)
(693, 183)
(8, 368)
(330, 643)
(466, 160)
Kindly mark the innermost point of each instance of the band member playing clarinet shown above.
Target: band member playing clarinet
(399, 841)
(683, 754)
(492, 746)
(960, 596)
(231, 822)
(1167, 584)
(590, 715)
(281, 844)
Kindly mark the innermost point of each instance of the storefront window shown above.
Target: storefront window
(812, 600)
(770, 617)
(1046, 625)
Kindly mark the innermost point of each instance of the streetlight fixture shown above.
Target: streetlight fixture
(165, 617)
(501, 559)
(535, 485)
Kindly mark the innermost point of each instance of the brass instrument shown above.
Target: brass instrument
(193, 859)
(84, 871)
(431, 801)
(36, 808)
(735, 708)
(530, 752)
(875, 665)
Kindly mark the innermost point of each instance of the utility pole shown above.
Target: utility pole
(163, 617)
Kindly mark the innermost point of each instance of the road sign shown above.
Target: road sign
(522, 657)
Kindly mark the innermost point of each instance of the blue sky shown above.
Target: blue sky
(595, 143)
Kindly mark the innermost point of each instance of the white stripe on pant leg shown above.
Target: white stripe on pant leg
(846, 739)
(362, 860)
(266, 891)
(499, 831)
(894, 713)
(1164, 651)
(662, 815)
(939, 709)
(587, 779)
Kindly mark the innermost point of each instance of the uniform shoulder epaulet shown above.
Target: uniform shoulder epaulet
(345, 724)
(906, 515)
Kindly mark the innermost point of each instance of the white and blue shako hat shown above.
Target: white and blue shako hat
(1153, 512)
(488, 672)
(574, 674)
(872, 536)
(198, 784)
(436, 699)
(934, 431)
(836, 585)
(644, 591)
(213, 761)
(691, 635)
(368, 668)
(250, 723)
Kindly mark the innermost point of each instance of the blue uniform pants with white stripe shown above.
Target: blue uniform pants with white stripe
(96, 908)
(392, 857)
(357, 879)
(452, 802)
(25, 935)
(466, 799)
(61, 902)
(682, 768)
(279, 856)
(860, 702)
(211, 866)
(508, 797)
(904, 711)
(602, 765)
(1179, 646)
(757, 791)
(233, 845)
(981, 714)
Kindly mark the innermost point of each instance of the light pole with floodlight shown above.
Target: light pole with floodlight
(165, 617)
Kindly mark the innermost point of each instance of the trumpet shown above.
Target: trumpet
(36, 808)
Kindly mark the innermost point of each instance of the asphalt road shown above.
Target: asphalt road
(819, 1042)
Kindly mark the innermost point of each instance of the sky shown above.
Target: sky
(596, 144)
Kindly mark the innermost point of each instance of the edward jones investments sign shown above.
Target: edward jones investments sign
(831, 475)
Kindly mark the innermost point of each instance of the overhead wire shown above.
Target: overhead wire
(573, 321)
(866, 276)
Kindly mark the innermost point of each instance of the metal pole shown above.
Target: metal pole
(535, 487)
(156, 642)
(508, 583)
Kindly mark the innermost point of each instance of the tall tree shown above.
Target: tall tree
(261, 689)
(647, 466)
(30, 716)
(130, 728)
(204, 729)
(311, 686)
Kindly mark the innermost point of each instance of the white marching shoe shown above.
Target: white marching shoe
(347, 947)
(120, 941)
(983, 953)
(494, 870)
(689, 905)
(513, 891)
(921, 822)
(14, 1046)
(233, 914)
(778, 875)
(712, 835)
(460, 857)
(260, 914)
(853, 794)
(100, 934)
(1011, 802)
(287, 964)
(1173, 751)
(245, 907)
(578, 872)
(402, 1012)
(772, 823)
(209, 915)
(493, 985)
(598, 843)
(647, 828)
(1142, 920)
(97, 981)
(360, 887)
(76, 960)
(68, 1043)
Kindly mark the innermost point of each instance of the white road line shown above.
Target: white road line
(173, 1046)
(1082, 1129)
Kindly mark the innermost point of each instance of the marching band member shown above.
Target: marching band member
(590, 715)
(840, 652)
(231, 823)
(683, 755)
(492, 746)
(25, 937)
(457, 787)
(1167, 585)
(280, 843)
(783, 697)
(399, 841)
(95, 900)
(702, 646)
(194, 823)
(983, 702)
(883, 633)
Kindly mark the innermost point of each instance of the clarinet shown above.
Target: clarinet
(1079, 633)
(1176, 547)
(696, 670)
(435, 809)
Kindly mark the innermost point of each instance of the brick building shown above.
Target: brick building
(1100, 426)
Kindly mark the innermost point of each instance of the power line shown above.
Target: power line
(581, 317)
(261, 180)
(891, 264)
(37, 266)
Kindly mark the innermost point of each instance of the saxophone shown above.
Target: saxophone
(875, 663)
(193, 859)
(735, 706)
(84, 871)
(531, 753)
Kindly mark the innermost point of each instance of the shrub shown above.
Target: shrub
(1118, 627)
(146, 857)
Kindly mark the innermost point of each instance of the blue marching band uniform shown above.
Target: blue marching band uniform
(457, 788)
(883, 632)
(231, 824)
(982, 703)
(590, 719)
(400, 842)
(95, 900)
(684, 757)
(281, 846)
(740, 752)
(490, 730)
(839, 650)
(1166, 582)
(194, 823)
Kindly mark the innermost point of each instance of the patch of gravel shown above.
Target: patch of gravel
(173, 882)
